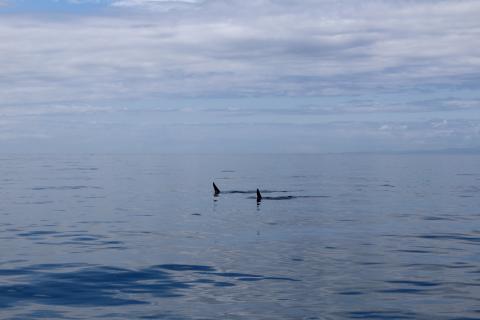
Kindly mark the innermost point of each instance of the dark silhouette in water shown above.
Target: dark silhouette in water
(216, 191)
(259, 196)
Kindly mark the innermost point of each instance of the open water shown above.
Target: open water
(336, 237)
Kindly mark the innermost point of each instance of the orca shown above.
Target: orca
(260, 198)
(216, 191)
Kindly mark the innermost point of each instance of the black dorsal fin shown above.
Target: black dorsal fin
(216, 191)
(259, 196)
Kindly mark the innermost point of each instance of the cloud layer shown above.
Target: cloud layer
(325, 58)
(225, 48)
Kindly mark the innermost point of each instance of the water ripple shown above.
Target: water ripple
(40, 188)
(451, 236)
(383, 315)
(90, 285)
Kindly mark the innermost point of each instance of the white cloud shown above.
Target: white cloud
(163, 5)
(238, 48)
(149, 2)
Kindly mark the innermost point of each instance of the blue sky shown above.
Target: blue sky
(239, 76)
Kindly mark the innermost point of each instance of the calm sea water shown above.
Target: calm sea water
(142, 237)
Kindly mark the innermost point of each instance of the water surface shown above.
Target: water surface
(336, 237)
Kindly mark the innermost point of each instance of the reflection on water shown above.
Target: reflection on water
(84, 285)
(142, 237)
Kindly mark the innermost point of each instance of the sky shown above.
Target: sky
(236, 76)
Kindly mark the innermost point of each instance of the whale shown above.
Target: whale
(259, 196)
(216, 191)
(288, 197)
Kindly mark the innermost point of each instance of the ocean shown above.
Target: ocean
(335, 237)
